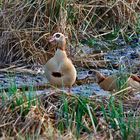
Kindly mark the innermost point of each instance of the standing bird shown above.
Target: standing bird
(59, 70)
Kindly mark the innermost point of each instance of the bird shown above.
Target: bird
(59, 70)
(110, 83)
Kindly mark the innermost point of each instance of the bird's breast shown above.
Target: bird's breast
(60, 55)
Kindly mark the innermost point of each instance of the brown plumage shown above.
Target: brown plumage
(59, 70)
(109, 83)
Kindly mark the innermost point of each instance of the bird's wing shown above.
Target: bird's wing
(51, 65)
(54, 68)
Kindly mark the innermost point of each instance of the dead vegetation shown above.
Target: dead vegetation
(51, 116)
(25, 27)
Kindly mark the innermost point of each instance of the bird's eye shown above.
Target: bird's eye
(57, 35)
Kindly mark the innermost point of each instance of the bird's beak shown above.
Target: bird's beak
(52, 39)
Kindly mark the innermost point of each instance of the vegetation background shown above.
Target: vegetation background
(25, 26)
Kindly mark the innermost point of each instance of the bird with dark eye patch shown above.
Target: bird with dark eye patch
(57, 35)
(109, 83)
(60, 70)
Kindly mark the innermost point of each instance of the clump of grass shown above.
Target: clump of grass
(69, 116)
(125, 124)
(122, 78)
(75, 115)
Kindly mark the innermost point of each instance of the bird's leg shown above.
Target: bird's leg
(69, 91)
(53, 89)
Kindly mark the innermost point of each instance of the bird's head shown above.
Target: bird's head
(98, 77)
(59, 40)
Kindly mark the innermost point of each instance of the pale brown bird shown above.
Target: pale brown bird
(60, 70)
(110, 83)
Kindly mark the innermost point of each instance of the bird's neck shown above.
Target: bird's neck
(100, 77)
(62, 46)
(60, 54)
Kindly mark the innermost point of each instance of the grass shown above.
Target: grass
(68, 116)
(117, 119)
(24, 30)
(72, 113)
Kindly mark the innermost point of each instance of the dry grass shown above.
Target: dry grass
(51, 117)
(26, 25)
